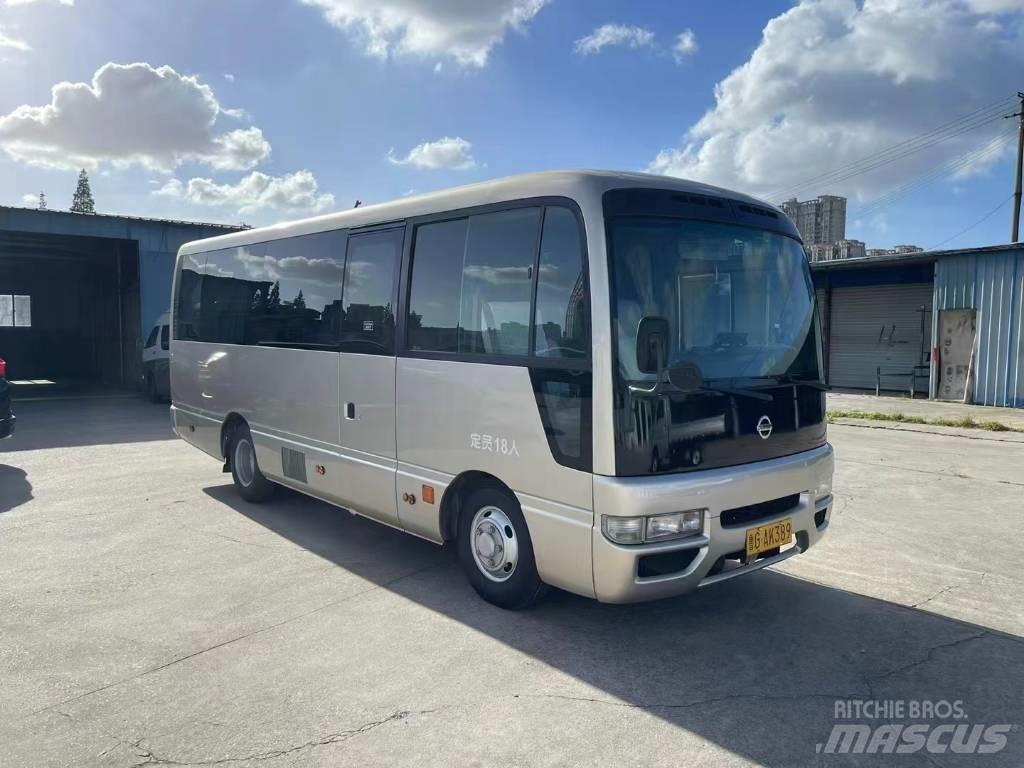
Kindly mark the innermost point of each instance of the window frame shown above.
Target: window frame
(344, 234)
(14, 311)
(399, 227)
(529, 360)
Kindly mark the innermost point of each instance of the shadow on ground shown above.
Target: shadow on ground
(755, 665)
(87, 421)
(15, 489)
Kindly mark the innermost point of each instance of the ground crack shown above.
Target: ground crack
(870, 680)
(151, 758)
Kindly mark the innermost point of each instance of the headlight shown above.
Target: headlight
(623, 530)
(639, 530)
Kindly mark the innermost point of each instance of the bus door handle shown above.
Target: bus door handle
(350, 411)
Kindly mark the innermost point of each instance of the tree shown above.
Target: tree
(274, 298)
(42, 201)
(82, 201)
(299, 302)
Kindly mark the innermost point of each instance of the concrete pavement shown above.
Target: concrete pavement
(149, 616)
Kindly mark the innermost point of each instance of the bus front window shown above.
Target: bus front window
(739, 304)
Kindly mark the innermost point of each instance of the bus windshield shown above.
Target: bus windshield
(739, 302)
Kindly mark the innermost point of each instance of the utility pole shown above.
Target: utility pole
(1015, 232)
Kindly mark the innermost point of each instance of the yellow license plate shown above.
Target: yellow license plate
(766, 537)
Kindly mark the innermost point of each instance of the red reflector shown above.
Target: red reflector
(3, 368)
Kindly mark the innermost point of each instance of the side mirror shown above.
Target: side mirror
(652, 344)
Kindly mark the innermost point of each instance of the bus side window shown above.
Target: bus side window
(561, 325)
(165, 337)
(152, 337)
(472, 280)
(367, 319)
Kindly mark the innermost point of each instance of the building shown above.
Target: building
(894, 250)
(948, 323)
(822, 220)
(85, 288)
(841, 249)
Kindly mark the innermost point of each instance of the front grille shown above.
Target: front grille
(731, 518)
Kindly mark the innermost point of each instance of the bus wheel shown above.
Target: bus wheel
(495, 549)
(245, 471)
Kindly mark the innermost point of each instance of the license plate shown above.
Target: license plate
(766, 537)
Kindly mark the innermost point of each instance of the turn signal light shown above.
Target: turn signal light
(3, 368)
(427, 494)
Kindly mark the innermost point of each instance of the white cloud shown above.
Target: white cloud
(131, 114)
(229, 77)
(464, 31)
(685, 45)
(12, 42)
(614, 35)
(450, 153)
(30, 201)
(27, 2)
(293, 192)
(833, 81)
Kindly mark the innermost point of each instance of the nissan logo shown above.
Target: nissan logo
(764, 427)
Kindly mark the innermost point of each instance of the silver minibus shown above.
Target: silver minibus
(610, 383)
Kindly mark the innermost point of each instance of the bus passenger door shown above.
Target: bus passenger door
(366, 328)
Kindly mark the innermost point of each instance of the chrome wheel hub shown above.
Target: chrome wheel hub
(494, 544)
(245, 462)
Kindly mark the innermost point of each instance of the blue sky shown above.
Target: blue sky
(256, 112)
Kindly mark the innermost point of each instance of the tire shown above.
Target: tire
(501, 567)
(151, 389)
(245, 471)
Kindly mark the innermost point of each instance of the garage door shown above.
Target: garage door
(878, 326)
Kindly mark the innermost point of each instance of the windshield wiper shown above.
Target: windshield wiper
(812, 383)
(667, 388)
(752, 393)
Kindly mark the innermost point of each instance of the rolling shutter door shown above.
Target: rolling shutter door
(877, 326)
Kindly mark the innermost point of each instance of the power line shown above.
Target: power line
(969, 122)
(972, 120)
(936, 173)
(964, 231)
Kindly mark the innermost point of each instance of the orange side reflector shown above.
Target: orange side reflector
(427, 494)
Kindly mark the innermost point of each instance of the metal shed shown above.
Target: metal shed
(79, 291)
(883, 315)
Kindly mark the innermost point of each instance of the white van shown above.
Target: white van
(156, 356)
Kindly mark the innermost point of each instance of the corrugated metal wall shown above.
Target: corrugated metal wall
(993, 284)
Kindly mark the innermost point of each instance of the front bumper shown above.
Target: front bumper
(7, 426)
(617, 571)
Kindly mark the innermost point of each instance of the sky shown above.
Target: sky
(243, 111)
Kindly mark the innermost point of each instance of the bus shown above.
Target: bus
(609, 383)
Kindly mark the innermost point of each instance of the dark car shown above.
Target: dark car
(6, 417)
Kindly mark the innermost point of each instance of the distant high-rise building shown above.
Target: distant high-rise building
(907, 249)
(822, 220)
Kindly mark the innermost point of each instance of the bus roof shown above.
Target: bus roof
(574, 184)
